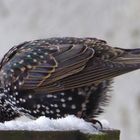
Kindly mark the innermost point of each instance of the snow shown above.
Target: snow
(45, 124)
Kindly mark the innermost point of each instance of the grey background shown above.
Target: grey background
(117, 21)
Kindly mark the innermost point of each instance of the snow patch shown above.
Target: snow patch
(45, 124)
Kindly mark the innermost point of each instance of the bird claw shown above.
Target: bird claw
(94, 122)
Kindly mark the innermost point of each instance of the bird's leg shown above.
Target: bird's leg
(92, 120)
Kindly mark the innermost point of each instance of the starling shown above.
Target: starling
(57, 77)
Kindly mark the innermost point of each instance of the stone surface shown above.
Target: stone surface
(66, 135)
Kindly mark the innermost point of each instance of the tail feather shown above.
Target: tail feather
(98, 70)
(130, 57)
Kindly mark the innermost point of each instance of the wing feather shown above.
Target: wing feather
(96, 73)
(71, 61)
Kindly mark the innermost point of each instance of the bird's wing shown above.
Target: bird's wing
(107, 63)
(99, 71)
(31, 67)
(56, 67)
(68, 60)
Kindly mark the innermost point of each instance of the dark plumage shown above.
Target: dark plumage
(60, 76)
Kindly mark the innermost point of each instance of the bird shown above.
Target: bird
(61, 76)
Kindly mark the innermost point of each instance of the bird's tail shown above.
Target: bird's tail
(126, 62)
(130, 57)
(98, 70)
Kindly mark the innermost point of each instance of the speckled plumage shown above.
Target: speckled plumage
(60, 76)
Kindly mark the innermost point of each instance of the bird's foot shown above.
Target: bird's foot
(95, 123)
